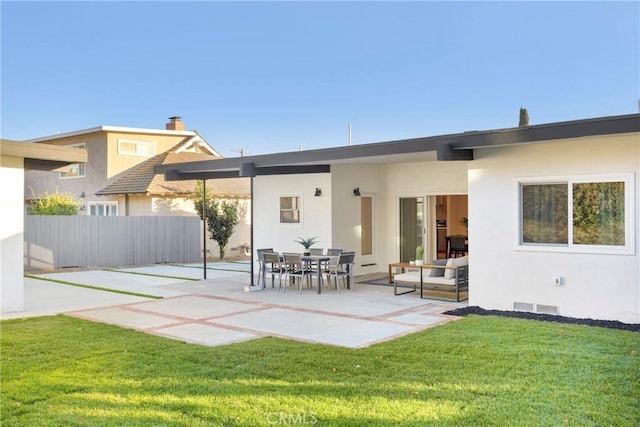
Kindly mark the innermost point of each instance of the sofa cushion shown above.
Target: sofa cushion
(438, 272)
(450, 273)
(409, 276)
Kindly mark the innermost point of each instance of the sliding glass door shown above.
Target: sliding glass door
(412, 226)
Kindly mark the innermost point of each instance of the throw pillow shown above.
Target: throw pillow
(438, 272)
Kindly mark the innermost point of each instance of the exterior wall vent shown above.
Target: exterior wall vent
(547, 309)
(522, 306)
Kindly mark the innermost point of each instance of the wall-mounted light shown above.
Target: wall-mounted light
(318, 192)
(356, 192)
(82, 194)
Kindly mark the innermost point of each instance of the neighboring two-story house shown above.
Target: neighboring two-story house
(118, 177)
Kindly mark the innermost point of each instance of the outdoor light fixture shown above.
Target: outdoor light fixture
(356, 192)
(318, 192)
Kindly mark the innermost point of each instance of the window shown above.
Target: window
(136, 148)
(290, 209)
(577, 214)
(103, 208)
(76, 170)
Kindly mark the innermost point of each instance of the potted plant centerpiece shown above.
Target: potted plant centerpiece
(306, 243)
(419, 254)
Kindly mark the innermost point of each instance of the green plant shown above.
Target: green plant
(464, 222)
(222, 217)
(54, 204)
(419, 252)
(307, 242)
(524, 117)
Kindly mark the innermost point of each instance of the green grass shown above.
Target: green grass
(477, 371)
(99, 288)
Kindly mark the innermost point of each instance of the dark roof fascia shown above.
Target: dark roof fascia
(449, 147)
(246, 170)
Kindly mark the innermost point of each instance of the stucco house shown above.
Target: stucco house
(527, 190)
(118, 177)
(15, 158)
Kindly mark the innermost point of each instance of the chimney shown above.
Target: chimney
(175, 123)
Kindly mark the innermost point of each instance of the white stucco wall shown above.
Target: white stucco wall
(595, 285)
(11, 234)
(316, 211)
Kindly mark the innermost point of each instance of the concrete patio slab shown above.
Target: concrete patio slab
(316, 327)
(218, 310)
(44, 298)
(204, 334)
(195, 307)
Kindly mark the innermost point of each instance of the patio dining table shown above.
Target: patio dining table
(318, 259)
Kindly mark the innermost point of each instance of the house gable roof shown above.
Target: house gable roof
(142, 180)
(194, 136)
(458, 146)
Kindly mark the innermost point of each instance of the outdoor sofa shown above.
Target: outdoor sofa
(449, 276)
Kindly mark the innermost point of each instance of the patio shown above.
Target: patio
(218, 311)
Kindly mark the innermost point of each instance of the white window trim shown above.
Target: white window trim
(109, 203)
(292, 224)
(78, 145)
(629, 247)
(137, 143)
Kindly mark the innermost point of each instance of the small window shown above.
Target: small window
(75, 170)
(581, 214)
(290, 209)
(103, 208)
(136, 148)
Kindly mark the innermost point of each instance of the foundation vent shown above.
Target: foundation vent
(522, 306)
(547, 309)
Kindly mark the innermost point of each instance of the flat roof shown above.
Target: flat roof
(449, 147)
(42, 156)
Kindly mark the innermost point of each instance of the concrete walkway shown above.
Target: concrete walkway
(218, 310)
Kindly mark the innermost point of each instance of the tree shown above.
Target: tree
(222, 217)
(524, 117)
(54, 204)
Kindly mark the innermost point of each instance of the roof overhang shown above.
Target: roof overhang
(43, 157)
(453, 147)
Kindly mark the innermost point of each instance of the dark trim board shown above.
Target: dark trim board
(454, 147)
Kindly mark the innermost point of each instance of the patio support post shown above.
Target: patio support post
(251, 229)
(204, 232)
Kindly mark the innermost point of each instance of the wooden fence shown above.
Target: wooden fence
(52, 242)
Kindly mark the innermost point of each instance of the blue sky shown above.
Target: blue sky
(270, 77)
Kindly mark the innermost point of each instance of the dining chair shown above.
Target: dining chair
(297, 269)
(334, 252)
(262, 265)
(316, 251)
(341, 267)
(273, 266)
(457, 246)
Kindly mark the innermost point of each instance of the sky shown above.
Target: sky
(268, 77)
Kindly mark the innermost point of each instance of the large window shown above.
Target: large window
(136, 148)
(76, 170)
(103, 208)
(290, 209)
(583, 214)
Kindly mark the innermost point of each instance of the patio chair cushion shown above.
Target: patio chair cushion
(437, 272)
(450, 273)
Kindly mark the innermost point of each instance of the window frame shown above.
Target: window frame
(629, 248)
(300, 217)
(137, 144)
(62, 175)
(106, 203)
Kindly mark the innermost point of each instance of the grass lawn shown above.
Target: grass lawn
(473, 372)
